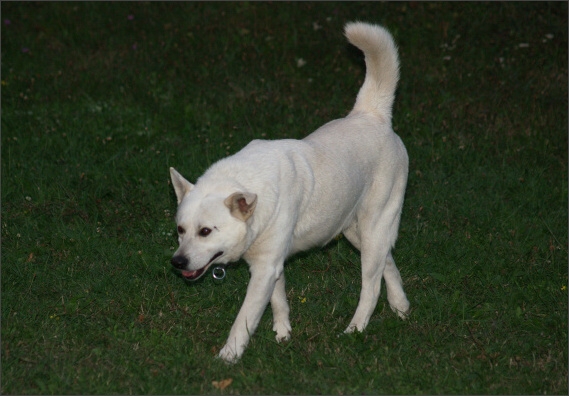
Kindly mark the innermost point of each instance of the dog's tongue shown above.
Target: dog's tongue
(191, 275)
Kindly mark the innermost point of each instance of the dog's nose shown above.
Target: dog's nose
(179, 262)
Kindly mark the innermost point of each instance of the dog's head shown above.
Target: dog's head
(212, 226)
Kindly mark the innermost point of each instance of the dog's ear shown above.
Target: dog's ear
(181, 185)
(241, 205)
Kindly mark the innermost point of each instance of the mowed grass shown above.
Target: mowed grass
(100, 99)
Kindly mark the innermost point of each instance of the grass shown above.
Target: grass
(99, 99)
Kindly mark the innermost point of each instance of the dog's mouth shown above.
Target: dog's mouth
(194, 275)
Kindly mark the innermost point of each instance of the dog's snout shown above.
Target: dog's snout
(179, 262)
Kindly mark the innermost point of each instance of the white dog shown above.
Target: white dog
(275, 198)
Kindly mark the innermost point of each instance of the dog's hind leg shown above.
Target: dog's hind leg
(394, 285)
(372, 272)
(376, 232)
(373, 266)
(281, 323)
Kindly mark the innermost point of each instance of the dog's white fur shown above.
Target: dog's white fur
(275, 198)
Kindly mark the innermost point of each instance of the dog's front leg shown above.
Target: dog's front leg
(281, 322)
(259, 291)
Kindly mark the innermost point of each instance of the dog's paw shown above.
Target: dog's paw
(283, 331)
(228, 355)
(401, 308)
(402, 314)
(352, 328)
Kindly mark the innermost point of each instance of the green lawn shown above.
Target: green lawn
(100, 99)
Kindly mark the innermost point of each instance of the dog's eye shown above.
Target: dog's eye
(181, 230)
(205, 232)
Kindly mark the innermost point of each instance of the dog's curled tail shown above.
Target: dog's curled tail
(382, 68)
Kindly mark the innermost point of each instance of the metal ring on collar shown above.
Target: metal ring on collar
(218, 272)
